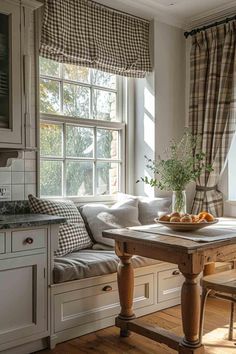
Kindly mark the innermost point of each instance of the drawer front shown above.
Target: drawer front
(28, 239)
(95, 303)
(169, 284)
(2, 243)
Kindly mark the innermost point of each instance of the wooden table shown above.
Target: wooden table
(190, 256)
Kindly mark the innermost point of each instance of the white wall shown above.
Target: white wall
(163, 117)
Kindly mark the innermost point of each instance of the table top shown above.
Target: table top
(170, 242)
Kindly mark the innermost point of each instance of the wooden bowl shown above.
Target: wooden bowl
(185, 226)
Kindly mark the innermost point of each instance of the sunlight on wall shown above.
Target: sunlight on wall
(149, 134)
(232, 171)
(149, 102)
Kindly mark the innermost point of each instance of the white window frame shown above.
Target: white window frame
(119, 126)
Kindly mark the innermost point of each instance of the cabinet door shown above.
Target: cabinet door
(11, 127)
(23, 295)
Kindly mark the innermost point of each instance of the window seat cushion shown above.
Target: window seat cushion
(91, 263)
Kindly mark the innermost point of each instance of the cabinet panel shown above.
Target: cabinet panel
(23, 297)
(2, 243)
(11, 126)
(169, 284)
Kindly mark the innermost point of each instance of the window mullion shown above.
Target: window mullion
(95, 162)
(64, 162)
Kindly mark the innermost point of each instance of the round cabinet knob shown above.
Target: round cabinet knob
(29, 240)
(107, 288)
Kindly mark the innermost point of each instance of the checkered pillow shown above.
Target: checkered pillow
(73, 235)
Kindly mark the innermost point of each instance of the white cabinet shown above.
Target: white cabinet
(15, 74)
(26, 261)
(23, 297)
(11, 124)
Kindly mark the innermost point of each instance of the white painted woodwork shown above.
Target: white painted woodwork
(92, 304)
(19, 239)
(13, 133)
(18, 135)
(2, 242)
(25, 272)
(22, 300)
(169, 284)
(82, 306)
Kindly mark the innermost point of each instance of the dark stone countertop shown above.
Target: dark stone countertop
(12, 221)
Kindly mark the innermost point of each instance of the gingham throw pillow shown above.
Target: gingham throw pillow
(73, 235)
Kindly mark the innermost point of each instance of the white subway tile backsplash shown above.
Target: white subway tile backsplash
(18, 165)
(30, 165)
(5, 177)
(30, 178)
(18, 177)
(30, 189)
(17, 192)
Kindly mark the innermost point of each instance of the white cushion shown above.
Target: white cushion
(149, 208)
(100, 217)
(73, 235)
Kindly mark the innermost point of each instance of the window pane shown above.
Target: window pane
(49, 96)
(100, 78)
(79, 178)
(51, 178)
(76, 101)
(104, 105)
(79, 141)
(49, 67)
(51, 139)
(75, 73)
(107, 178)
(107, 144)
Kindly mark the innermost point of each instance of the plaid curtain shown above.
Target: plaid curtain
(213, 107)
(88, 34)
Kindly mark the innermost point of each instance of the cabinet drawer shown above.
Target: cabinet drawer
(28, 239)
(97, 302)
(2, 243)
(169, 284)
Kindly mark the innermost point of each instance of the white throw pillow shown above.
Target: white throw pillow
(100, 217)
(149, 208)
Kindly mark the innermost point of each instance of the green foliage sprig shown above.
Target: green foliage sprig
(185, 163)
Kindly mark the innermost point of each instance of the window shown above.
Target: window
(81, 131)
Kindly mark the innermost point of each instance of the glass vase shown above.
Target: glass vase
(179, 202)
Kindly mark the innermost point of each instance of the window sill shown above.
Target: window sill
(230, 202)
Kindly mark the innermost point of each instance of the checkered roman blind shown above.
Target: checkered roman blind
(88, 34)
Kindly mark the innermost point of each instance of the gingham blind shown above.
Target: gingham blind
(88, 34)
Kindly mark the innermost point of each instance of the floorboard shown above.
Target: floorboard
(107, 341)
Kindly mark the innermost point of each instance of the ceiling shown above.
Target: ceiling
(177, 12)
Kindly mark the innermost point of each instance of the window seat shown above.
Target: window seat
(91, 263)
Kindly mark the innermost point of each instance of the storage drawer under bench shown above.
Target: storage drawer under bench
(169, 284)
(97, 302)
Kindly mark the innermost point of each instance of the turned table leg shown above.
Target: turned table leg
(125, 277)
(190, 306)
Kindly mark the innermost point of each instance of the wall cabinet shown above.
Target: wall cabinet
(15, 74)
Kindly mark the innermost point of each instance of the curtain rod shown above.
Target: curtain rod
(119, 11)
(203, 28)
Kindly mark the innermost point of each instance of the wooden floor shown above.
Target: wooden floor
(107, 341)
